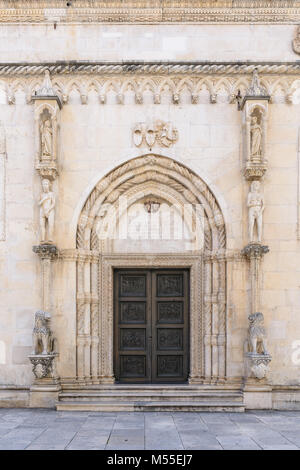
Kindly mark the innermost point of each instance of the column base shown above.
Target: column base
(44, 396)
(257, 396)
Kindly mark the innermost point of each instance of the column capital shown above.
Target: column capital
(46, 251)
(255, 250)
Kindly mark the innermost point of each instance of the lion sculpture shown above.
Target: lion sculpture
(43, 341)
(257, 334)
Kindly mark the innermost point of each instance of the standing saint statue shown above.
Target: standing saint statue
(46, 137)
(256, 137)
(47, 204)
(256, 207)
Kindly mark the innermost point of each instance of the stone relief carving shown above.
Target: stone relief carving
(210, 11)
(255, 204)
(47, 206)
(159, 133)
(280, 81)
(296, 41)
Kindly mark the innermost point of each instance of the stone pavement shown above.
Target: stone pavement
(50, 429)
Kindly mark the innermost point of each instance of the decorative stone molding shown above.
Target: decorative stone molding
(296, 41)
(156, 11)
(148, 68)
(176, 79)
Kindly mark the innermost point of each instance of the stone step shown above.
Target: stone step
(151, 387)
(151, 406)
(130, 395)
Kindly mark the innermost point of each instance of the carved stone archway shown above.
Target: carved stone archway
(156, 175)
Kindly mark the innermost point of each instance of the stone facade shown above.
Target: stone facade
(168, 105)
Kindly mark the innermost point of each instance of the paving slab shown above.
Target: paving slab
(38, 429)
(233, 442)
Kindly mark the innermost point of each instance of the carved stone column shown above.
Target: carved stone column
(47, 254)
(207, 320)
(222, 319)
(215, 319)
(94, 319)
(254, 253)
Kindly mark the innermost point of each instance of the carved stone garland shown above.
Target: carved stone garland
(95, 319)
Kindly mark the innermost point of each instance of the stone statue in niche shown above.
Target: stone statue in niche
(46, 133)
(43, 342)
(255, 204)
(47, 205)
(256, 137)
(257, 334)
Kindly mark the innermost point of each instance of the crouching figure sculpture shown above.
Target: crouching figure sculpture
(257, 355)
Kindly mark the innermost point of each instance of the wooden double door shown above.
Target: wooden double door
(151, 325)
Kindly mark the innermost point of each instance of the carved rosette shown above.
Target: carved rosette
(43, 365)
(258, 365)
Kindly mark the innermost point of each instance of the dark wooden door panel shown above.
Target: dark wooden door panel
(151, 325)
(170, 325)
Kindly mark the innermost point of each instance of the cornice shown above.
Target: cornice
(154, 11)
(150, 68)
